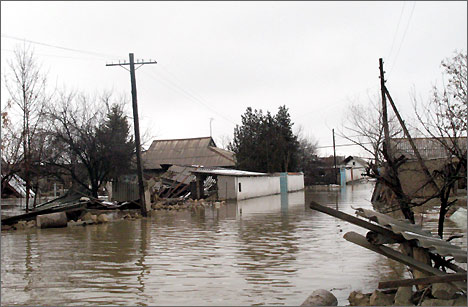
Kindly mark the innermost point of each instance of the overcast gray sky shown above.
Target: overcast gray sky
(215, 59)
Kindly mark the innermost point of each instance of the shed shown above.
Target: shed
(237, 184)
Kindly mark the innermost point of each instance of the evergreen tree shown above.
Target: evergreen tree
(265, 143)
(116, 143)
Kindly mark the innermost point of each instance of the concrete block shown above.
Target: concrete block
(58, 219)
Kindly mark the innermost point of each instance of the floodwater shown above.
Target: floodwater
(276, 252)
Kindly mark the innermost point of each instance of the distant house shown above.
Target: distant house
(194, 151)
(353, 169)
(429, 148)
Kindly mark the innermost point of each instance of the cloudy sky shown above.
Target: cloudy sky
(215, 59)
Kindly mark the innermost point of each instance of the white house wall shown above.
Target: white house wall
(356, 173)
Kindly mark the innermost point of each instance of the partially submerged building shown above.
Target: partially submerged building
(238, 185)
(197, 168)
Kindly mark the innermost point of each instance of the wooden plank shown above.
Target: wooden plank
(357, 221)
(397, 256)
(422, 281)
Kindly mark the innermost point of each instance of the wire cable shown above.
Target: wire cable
(396, 31)
(403, 38)
(189, 96)
(59, 47)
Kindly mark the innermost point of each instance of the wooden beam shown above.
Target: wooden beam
(422, 281)
(397, 256)
(357, 221)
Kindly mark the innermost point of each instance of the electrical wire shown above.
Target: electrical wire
(343, 145)
(57, 56)
(403, 38)
(192, 93)
(396, 31)
(189, 96)
(59, 47)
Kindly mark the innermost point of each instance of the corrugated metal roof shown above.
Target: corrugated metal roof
(414, 232)
(228, 172)
(195, 151)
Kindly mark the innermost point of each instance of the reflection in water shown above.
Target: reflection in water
(276, 252)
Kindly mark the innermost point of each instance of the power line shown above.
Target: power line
(59, 47)
(344, 145)
(403, 38)
(188, 95)
(396, 31)
(192, 93)
(57, 56)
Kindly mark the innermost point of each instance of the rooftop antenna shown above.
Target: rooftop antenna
(211, 119)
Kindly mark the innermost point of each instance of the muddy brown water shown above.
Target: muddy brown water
(276, 252)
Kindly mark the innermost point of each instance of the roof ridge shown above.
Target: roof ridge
(221, 153)
(184, 139)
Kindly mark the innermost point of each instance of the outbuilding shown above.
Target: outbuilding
(238, 185)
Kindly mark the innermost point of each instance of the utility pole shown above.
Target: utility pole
(334, 156)
(136, 125)
(384, 110)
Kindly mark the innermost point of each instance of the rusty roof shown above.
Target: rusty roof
(194, 151)
(414, 232)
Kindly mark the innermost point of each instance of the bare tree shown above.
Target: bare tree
(27, 85)
(223, 141)
(363, 126)
(444, 120)
(11, 141)
(90, 139)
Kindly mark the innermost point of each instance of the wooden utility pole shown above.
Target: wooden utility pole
(413, 146)
(384, 111)
(136, 125)
(334, 156)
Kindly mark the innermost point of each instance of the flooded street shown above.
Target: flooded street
(269, 250)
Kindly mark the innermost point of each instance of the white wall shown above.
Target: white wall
(295, 182)
(257, 186)
(356, 173)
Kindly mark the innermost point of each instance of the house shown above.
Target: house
(429, 148)
(352, 169)
(194, 151)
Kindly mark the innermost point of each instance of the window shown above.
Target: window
(240, 187)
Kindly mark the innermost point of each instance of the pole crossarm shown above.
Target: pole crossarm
(126, 63)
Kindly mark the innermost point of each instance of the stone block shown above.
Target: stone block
(321, 297)
(357, 298)
(102, 218)
(443, 291)
(379, 298)
(403, 296)
(437, 302)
